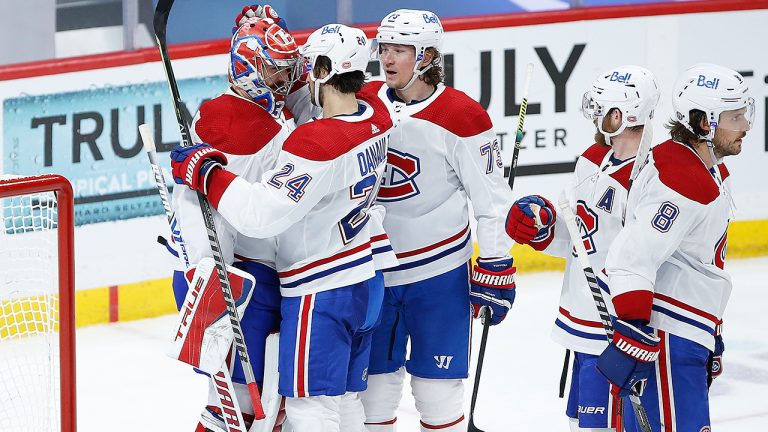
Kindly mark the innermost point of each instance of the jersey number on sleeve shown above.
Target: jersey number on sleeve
(295, 185)
(351, 224)
(664, 218)
(491, 151)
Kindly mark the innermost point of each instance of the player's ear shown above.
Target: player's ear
(429, 55)
(703, 124)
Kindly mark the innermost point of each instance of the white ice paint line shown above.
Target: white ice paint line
(541, 5)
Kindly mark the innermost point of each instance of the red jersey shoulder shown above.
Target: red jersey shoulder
(371, 88)
(681, 170)
(235, 126)
(596, 153)
(457, 113)
(327, 139)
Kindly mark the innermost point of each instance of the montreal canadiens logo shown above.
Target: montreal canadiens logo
(587, 221)
(399, 180)
(720, 249)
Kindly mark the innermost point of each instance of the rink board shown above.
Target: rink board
(79, 116)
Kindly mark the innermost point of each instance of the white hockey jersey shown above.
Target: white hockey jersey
(442, 151)
(251, 138)
(598, 194)
(316, 201)
(667, 263)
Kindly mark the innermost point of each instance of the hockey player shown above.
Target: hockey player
(315, 204)
(665, 267)
(247, 123)
(620, 102)
(442, 151)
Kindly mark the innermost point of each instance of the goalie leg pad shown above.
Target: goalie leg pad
(440, 403)
(204, 333)
(382, 398)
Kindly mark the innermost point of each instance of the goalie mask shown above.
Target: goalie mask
(346, 47)
(630, 89)
(721, 93)
(417, 28)
(264, 62)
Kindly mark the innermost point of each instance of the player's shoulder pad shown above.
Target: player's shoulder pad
(681, 170)
(327, 139)
(457, 113)
(235, 125)
(596, 153)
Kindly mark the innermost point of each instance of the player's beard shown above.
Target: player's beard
(727, 145)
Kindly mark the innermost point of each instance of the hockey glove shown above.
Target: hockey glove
(258, 12)
(191, 165)
(716, 360)
(522, 224)
(630, 357)
(493, 285)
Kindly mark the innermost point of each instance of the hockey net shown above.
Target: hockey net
(37, 343)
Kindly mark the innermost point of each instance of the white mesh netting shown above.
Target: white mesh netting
(29, 314)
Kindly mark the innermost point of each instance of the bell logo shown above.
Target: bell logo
(620, 78)
(443, 362)
(710, 84)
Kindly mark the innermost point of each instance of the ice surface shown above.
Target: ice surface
(126, 383)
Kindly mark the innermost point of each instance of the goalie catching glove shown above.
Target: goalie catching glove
(493, 285)
(630, 357)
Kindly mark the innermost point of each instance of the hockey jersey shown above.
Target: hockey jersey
(667, 263)
(442, 151)
(316, 201)
(251, 139)
(597, 194)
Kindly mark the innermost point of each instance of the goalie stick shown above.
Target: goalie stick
(597, 296)
(160, 21)
(222, 380)
(485, 310)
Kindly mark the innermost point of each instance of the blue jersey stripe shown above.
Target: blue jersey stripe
(580, 334)
(428, 260)
(324, 273)
(683, 318)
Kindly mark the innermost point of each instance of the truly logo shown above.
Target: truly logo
(616, 77)
(443, 362)
(330, 29)
(707, 83)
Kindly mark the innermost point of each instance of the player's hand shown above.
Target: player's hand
(257, 12)
(630, 357)
(493, 285)
(191, 165)
(531, 221)
(716, 360)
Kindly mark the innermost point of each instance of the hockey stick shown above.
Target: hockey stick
(162, 11)
(520, 121)
(485, 310)
(222, 381)
(642, 154)
(597, 296)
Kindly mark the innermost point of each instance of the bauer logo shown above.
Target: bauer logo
(616, 77)
(330, 29)
(707, 83)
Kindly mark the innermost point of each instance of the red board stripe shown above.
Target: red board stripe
(199, 49)
(113, 304)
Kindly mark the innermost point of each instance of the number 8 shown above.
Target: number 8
(664, 218)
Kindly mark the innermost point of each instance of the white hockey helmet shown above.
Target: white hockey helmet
(346, 47)
(632, 90)
(713, 89)
(420, 29)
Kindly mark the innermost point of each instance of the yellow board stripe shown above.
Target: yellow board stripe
(155, 297)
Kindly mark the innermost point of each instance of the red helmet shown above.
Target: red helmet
(264, 62)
